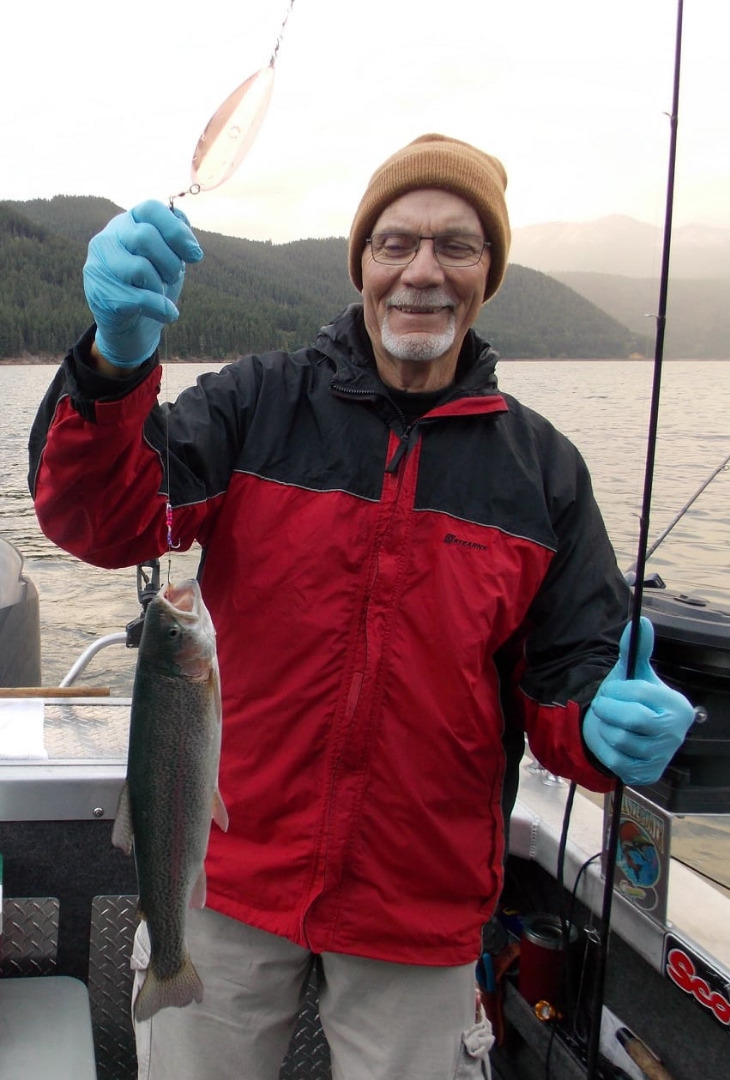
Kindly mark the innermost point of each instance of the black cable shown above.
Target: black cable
(584, 867)
(564, 832)
(548, 1052)
(566, 922)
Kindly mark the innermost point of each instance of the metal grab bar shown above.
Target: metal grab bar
(89, 653)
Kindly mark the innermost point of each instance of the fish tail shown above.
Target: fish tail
(178, 990)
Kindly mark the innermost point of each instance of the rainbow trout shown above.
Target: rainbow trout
(171, 790)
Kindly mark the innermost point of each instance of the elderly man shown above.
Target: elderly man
(407, 572)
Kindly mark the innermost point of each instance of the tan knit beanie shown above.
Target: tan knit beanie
(435, 161)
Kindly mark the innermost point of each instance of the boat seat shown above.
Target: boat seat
(45, 1029)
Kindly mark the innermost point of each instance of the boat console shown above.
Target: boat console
(692, 653)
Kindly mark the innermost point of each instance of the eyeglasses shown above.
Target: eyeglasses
(450, 249)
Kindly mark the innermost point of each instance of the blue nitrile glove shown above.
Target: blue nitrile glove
(635, 726)
(133, 277)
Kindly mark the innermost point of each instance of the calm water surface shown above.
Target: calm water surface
(602, 406)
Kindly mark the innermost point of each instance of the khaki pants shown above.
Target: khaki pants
(382, 1021)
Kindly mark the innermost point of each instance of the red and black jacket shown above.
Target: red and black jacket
(396, 602)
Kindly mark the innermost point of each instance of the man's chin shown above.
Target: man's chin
(418, 347)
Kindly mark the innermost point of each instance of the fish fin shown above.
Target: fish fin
(220, 814)
(215, 684)
(122, 833)
(200, 889)
(179, 990)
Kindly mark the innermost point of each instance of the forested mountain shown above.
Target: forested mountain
(249, 296)
(698, 311)
(615, 261)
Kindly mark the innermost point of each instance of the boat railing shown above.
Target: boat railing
(88, 655)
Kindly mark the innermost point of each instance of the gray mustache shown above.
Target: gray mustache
(426, 298)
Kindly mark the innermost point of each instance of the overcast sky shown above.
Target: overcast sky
(110, 99)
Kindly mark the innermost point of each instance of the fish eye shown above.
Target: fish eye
(173, 632)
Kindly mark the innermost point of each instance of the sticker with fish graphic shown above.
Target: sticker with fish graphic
(642, 860)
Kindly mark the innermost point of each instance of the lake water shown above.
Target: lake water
(602, 406)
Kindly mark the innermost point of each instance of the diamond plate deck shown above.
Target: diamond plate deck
(309, 1056)
(95, 731)
(29, 941)
(113, 922)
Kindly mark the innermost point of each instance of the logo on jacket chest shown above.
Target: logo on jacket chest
(451, 538)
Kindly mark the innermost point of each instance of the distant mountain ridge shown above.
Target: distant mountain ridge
(618, 244)
(615, 263)
(251, 296)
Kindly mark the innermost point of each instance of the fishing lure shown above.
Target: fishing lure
(232, 129)
(230, 132)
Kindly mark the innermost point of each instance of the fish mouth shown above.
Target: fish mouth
(181, 609)
(182, 597)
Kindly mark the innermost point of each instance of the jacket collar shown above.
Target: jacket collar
(346, 345)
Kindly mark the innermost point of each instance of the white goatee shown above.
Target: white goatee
(418, 346)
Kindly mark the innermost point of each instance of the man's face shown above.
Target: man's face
(417, 314)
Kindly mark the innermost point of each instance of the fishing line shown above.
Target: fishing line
(702, 873)
(226, 139)
(171, 546)
(612, 846)
(663, 535)
(164, 348)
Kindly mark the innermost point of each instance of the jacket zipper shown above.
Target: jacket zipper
(407, 440)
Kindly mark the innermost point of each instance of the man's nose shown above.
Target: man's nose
(424, 266)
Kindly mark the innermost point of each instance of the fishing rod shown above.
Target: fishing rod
(663, 535)
(643, 544)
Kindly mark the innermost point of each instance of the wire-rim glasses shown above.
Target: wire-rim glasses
(450, 249)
